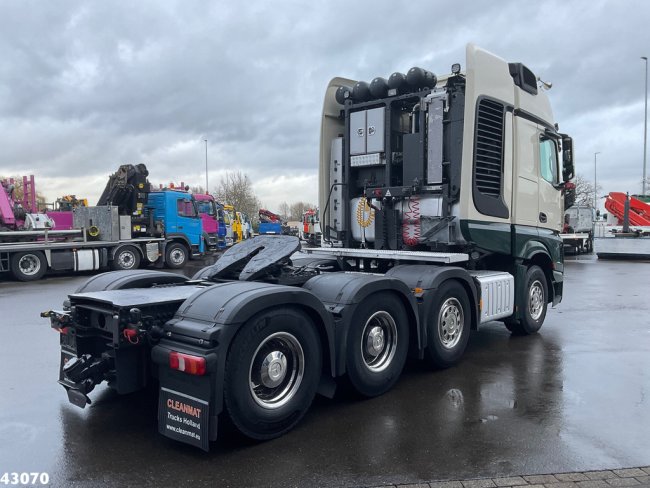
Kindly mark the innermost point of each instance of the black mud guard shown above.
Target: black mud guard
(342, 292)
(210, 319)
(134, 278)
(429, 278)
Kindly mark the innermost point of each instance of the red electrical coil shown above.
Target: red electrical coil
(411, 229)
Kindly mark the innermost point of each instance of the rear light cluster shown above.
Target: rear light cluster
(186, 363)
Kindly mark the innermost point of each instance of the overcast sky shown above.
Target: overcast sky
(87, 86)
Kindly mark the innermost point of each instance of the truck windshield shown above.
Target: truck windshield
(206, 207)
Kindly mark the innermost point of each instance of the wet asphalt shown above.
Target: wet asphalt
(574, 397)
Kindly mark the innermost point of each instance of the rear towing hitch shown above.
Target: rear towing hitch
(81, 374)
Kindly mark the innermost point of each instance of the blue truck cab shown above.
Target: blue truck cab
(178, 213)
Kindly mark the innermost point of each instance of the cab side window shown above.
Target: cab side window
(185, 208)
(548, 160)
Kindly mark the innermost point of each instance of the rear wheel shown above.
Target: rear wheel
(28, 266)
(272, 373)
(377, 344)
(448, 325)
(535, 305)
(127, 257)
(176, 255)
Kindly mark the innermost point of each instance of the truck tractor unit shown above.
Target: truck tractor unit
(236, 230)
(442, 203)
(311, 231)
(214, 231)
(130, 227)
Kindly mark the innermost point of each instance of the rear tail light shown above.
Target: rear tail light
(187, 363)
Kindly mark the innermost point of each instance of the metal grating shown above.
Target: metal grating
(488, 157)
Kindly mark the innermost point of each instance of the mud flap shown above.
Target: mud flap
(184, 418)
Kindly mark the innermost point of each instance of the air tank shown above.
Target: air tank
(379, 87)
(343, 93)
(361, 92)
(421, 78)
(397, 81)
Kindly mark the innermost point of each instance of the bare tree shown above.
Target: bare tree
(236, 189)
(284, 210)
(197, 189)
(585, 191)
(296, 209)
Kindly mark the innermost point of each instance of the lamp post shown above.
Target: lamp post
(595, 182)
(645, 126)
(206, 166)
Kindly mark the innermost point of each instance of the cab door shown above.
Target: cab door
(189, 222)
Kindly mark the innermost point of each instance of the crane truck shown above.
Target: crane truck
(271, 223)
(442, 203)
(130, 226)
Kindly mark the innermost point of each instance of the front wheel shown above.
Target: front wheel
(176, 255)
(377, 344)
(28, 266)
(448, 325)
(535, 305)
(272, 372)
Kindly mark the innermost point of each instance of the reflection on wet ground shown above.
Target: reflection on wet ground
(573, 397)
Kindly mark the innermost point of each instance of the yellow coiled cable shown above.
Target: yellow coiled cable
(363, 207)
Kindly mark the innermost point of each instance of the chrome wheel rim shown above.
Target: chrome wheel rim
(177, 256)
(276, 370)
(126, 260)
(451, 321)
(29, 265)
(379, 341)
(536, 300)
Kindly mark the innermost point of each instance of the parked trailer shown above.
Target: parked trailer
(415, 260)
(29, 261)
(131, 226)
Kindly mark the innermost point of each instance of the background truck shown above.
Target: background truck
(246, 225)
(310, 230)
(270, 223)
(214, 231)
(61, 211)
(236, 231)
(578, 230)
(442, 203)
(131, 226)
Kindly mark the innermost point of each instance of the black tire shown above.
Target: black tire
(271, 409)
(126, 258)
(176, 255)
(374, 365)
(28, 265)
(448, 325)
(535, 306)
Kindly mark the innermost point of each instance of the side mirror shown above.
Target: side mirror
(568, 169)
(569, 194)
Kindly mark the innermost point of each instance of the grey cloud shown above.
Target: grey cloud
(87, 86)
